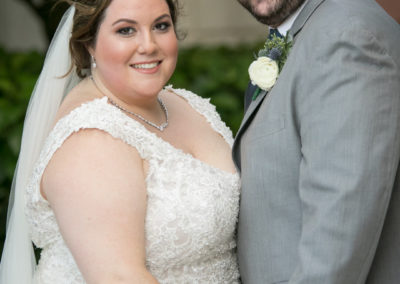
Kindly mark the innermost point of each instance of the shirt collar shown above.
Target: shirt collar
(288, 23)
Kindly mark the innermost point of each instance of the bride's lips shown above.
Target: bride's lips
(148, 67)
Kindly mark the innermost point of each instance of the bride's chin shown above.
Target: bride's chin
(156, 86)
(149, 92)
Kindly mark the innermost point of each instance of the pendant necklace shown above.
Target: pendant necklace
(163, 107)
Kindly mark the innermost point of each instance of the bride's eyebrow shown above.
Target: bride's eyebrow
(124, 20)
(162, 17)
(130, 21)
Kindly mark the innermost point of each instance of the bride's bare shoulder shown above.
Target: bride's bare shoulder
(80, 94)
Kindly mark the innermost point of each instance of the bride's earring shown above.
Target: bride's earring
(94, 65)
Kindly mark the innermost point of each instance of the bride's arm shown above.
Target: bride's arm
(96, 187)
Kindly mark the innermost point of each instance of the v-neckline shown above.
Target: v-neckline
(171, 146)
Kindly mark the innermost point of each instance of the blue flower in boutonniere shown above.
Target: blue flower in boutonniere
(268, 63)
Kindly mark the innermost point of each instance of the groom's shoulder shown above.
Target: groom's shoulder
(338, 15)
(339, 19)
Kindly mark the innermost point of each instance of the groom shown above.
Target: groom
(319, 152)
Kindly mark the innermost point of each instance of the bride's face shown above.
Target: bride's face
(136, 48)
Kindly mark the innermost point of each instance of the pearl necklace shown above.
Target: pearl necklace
(163, 107)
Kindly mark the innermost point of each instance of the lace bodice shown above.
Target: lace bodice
(191, 211)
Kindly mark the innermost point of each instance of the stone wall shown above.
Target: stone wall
(206, 22)
(20, 29)
(219, 22)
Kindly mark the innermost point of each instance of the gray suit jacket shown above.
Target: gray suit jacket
(319, 154)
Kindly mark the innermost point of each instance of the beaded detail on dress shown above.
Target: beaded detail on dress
(191, 211)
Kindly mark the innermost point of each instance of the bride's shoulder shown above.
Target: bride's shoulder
(187, 94)
(79, 96)
(196, 101)
(204, 107)
(80, 110)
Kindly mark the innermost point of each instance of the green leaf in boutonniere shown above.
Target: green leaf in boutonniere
(264, 70)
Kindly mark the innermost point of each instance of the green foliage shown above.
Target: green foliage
(18, 73)
(218, 73)
(278, 45)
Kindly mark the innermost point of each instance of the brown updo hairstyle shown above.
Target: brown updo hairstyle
(89, 14)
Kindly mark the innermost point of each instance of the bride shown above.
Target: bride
(124, 180)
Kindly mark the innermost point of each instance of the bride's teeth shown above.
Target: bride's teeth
(145, 66)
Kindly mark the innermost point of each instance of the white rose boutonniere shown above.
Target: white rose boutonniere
(265, 69)
(264, 72)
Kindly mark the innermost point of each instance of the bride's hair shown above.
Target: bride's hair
(89, 14)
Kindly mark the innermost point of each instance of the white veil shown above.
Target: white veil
(18, 259)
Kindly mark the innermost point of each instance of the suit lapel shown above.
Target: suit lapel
(252, 107)
(298, 24)
(304, 15)
(246, 120)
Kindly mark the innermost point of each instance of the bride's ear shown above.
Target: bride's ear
(90, 50)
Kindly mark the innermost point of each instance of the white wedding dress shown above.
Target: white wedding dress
(191, 212)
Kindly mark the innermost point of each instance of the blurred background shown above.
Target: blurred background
(221, 38)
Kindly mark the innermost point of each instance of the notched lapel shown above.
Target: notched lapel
(252, 108)
(246, 120)
(304, 15)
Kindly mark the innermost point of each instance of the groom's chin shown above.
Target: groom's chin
(258, 7)
(262, 19)
(271, 12)
(262, 10)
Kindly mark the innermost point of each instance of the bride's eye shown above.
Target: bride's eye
(163, 26)
(126, 31)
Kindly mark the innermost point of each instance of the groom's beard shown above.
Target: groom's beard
(271, 12)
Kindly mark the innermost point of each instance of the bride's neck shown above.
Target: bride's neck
(147, 106)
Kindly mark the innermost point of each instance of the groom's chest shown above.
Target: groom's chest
(267, 119)
(272, 127)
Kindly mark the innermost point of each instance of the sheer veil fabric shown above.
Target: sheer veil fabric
(18, 260)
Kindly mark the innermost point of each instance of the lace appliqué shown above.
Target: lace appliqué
(192, 207)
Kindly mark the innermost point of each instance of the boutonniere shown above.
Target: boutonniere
(268, 63)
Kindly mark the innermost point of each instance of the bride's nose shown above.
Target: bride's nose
(147, 43)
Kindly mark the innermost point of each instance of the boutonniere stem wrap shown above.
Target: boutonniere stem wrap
(268, 63)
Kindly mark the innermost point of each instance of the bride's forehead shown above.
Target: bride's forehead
(135, 8)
